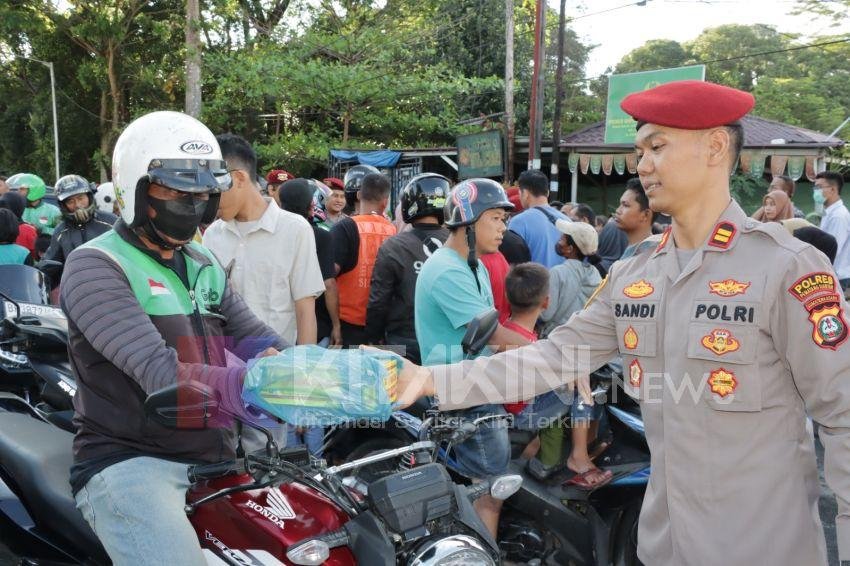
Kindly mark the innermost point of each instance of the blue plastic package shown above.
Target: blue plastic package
(313, 386)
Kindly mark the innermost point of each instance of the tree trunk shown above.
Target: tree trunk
(193, 58)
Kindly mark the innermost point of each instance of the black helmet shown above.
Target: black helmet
(354, 177)
(469, 199)
(424, 195)
(72, 185)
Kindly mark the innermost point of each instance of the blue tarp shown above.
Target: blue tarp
(378, 158)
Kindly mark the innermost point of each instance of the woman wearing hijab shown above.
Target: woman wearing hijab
(776, 206)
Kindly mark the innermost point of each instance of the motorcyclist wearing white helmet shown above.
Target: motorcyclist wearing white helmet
(81, 220)
(106, 200)
(146, 307)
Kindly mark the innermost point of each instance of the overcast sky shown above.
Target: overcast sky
(624, 28)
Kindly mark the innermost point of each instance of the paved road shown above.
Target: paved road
(828, 510)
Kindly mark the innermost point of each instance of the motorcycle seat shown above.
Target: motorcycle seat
(38, 456)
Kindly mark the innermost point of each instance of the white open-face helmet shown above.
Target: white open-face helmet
(170, 149)
(104, 196)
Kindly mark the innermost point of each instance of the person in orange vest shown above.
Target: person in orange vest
(356, 240)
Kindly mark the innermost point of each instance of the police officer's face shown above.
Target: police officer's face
(679, 167)
(489, 230)
(336, 202)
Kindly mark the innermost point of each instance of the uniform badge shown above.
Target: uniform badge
(722, 382)
(723, 235)
(635, 373)
(817, 292)
(812, 284)
(630, 338)
(830, 328)
(728, 287)
(639, 289)
(720, 341)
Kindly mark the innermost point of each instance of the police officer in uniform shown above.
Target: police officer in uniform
(731, 333)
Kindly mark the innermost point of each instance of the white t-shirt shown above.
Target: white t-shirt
(271, 263)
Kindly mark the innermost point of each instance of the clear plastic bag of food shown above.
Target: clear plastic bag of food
(313, 386)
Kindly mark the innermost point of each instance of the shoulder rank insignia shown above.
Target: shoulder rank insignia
(723, 235)
(722, 382)
(639, 289)
(720, 341)
(728, 287)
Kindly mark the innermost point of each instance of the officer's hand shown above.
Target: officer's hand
(414, 382)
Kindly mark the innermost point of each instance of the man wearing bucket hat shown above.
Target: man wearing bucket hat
(731, 333)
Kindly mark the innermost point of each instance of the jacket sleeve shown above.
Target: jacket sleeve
(587, 341)
(99, 302)
(811, 333)
(384, 279)
(54, 251)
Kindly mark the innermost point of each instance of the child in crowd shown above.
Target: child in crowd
(527, 288)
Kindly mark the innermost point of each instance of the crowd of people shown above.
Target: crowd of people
(244, 266)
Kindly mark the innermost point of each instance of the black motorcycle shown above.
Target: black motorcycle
(34, 345)
(547, 521)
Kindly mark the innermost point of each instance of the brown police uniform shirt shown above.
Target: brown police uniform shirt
(727, 356)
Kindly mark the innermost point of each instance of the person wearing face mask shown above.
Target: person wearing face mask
(81, 219)
(148, 308)
(836, 220)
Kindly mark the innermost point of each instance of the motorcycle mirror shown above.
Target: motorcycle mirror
(311, 553)
(479, 331)
(188, 405)
(504, 486)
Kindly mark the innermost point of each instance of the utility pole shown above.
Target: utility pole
(559, 100)
(536, 114)
(509, 90)
(193, 58)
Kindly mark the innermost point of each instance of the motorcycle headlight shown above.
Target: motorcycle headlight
(457, 550)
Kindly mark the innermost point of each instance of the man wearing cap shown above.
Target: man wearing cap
(275, 178)
(335, 202)
(731, 333)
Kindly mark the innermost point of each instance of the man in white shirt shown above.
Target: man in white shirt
(269, 254)
(836, 221)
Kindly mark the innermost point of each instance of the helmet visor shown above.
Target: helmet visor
(64, 194)
(191, 175)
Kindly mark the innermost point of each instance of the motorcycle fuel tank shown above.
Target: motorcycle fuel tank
(256, 527)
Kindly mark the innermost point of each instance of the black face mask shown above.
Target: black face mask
(178, 219)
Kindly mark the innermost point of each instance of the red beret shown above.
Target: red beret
(334, 183)
(513, 197)
(277, 176)
(688, 105)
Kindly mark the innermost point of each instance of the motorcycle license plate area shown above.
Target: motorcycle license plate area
(41, 311)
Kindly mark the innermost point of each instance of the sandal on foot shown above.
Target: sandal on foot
(591, 479)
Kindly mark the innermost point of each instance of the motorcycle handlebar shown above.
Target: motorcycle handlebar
(203, 472)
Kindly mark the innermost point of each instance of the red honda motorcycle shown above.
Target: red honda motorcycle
(273, 507)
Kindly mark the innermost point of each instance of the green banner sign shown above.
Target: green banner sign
(619, 126)
(480, 155)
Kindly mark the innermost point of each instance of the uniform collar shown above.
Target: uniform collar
(723, 237)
